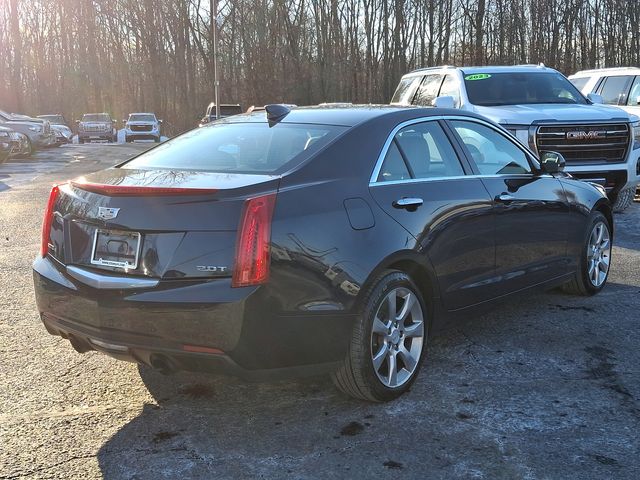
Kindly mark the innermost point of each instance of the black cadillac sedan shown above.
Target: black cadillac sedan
(321, 239)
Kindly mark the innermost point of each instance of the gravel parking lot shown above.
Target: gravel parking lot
(546, 387)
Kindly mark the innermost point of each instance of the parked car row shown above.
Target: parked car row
(23, 135)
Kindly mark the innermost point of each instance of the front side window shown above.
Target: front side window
(420, 151)
(450, 87)
(634, 96)
(614, 89)
(492, 152)
(494, 89)
(428, 90)
(252, 148)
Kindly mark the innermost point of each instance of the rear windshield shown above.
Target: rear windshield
(239, 148)
(492, 89)
(96, 117)
(142, 118)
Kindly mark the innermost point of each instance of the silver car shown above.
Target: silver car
(38, 131)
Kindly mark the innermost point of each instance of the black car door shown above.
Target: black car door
(422, 181)
(531, 208)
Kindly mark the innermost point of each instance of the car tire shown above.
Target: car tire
(30, 150)
(623, 200)
(127, 140)
(157, 139)
(80, 140)
(379, 345)
(594, 254)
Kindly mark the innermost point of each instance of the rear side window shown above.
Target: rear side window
(614, 89)
(406, 89)
(252, 148)
(394, 167)
(579, 83)
(420, 151)
(492, 152)
(428, 90)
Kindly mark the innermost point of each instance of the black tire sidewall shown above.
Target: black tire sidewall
(387, 283)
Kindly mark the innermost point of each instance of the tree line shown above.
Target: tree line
(120, 56)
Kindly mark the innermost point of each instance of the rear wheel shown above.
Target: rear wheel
(595, 258)
(388, 341)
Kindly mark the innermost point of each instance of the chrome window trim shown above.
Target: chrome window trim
(378, 166)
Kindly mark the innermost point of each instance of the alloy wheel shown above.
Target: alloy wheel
(599, 254)
(397, 337)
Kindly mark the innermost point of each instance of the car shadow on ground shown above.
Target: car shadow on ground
(514, 376)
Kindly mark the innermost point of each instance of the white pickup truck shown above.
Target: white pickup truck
(543, 110)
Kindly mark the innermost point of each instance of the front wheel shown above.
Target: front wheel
(623, 199)
(388, 341)
(595, 258)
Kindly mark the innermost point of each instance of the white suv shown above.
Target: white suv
(142, 126)
(543, 110)
(616, 86)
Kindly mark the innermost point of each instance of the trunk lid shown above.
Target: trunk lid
(153, 223)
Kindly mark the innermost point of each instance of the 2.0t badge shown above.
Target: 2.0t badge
(107, 213)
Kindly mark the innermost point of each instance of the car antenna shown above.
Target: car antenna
(276, 112)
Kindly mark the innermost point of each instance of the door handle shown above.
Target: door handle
(410, 204)
(504, 197)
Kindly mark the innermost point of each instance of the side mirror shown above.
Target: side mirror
(160, 121)
(552, 162)
(445, 101)
(77, 121)
(595, 98)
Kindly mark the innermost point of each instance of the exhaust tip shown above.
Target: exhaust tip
(163, 364)
(78, 345)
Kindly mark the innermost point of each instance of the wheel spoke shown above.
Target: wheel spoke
(391, 303)
(409, 361)
(414, 330)
(409, 302)
(596, 274)
(600, 233)
(605, 244)
(379, 327)
(379, 357)
(392, 379)
(603, 265)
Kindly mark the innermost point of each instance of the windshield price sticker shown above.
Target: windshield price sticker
(478, 76)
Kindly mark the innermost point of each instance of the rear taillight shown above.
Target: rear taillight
(252, 249)
(48, 219)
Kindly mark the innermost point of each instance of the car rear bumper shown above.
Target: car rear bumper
(188, 325)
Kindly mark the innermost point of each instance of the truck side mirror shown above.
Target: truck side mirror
(595, 98)
(445, 101)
